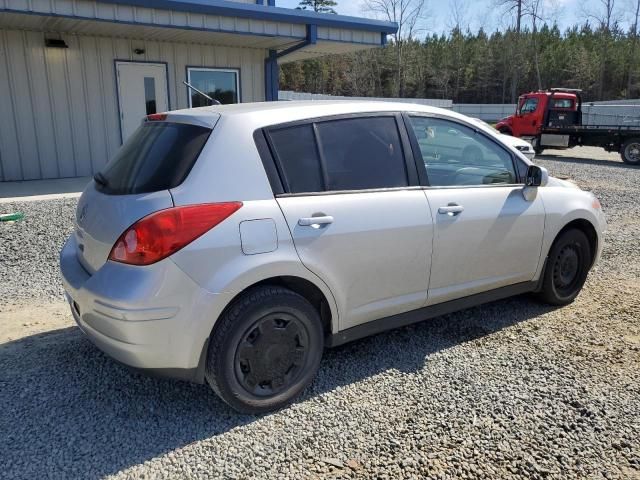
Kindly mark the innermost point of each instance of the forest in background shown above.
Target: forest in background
(601, 58)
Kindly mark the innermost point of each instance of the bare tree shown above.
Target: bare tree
(605, 17)
(514, 7)
(533, 9)
(458, 15)
(409, 16)
(632, 64)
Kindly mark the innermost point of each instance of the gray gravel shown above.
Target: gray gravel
(29, 250)
(509, 390)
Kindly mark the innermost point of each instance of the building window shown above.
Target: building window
(220, 84)
(150, 95)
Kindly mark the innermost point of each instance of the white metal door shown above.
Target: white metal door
(142, 90)
(485, 238)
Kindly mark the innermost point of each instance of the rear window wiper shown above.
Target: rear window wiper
(100, 178)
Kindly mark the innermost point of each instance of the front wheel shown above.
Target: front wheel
(567, 267)
(630, 151)
(265, 350)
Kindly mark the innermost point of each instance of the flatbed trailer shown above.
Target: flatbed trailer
(553, 119)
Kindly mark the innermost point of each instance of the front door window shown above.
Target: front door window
(528, 106)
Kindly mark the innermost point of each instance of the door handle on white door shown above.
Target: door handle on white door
(452, 209)
(315, 221)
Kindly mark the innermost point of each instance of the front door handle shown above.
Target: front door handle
(315, 221)
(452, 210)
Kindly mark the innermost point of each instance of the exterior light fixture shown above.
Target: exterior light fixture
(55, 43)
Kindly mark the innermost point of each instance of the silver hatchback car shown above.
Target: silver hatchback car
(232, 244)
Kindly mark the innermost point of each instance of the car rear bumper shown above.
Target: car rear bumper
(153, 318)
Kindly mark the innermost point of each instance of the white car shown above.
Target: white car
(519, 144)
(231, 244)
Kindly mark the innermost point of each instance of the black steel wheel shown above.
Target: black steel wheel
(265, 349)
(272, 354)
(630, 151)
(567, 267)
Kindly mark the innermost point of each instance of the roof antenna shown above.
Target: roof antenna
(212, 100)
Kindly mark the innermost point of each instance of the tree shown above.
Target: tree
(632, 65)
(407, 14)
(606, 18)
(476, 67)
(320, 6)
(511, 6)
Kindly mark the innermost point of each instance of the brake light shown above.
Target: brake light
(163, 233)
(156, 117)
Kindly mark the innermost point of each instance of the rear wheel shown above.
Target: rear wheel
(265, 350)
(630, 151)
(567, 268)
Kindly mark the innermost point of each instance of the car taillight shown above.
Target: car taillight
(163, 233)
(156, 117)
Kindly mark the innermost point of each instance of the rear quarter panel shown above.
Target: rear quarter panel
(230, 169)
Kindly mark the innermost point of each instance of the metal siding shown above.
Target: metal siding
(41, 102)
(61, 106)
(11, 168)
(20, 94)
(94, 101)
(179, 11)
(78, 107)
(55, 62)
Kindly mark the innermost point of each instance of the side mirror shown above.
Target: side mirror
(536, 176)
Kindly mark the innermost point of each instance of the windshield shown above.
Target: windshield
(158, 156)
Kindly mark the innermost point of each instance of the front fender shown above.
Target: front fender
(564, 205)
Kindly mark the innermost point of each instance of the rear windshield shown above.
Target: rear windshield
(158, 156)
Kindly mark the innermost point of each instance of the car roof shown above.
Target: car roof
(272, 113)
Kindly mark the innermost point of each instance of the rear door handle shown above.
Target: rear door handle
(312, 221)
(452, 209)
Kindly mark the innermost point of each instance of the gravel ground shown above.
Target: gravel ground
(509, 390)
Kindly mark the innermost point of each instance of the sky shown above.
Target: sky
(484, 13)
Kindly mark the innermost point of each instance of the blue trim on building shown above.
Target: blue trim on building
(312, 39)
(256, 12)
(271, 77)
(146, 24)
(272, 70)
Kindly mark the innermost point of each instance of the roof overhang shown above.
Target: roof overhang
(261, 12)
(201, 21)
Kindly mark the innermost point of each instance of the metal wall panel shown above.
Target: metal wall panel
(93, 10)
(60, 106)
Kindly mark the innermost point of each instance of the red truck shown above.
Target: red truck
(553, 119)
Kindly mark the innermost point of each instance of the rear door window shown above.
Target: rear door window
(158, 156)
(362, 153)
(296, 150)
(336, 155)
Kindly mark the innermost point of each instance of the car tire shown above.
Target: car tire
(567, 267)
(630, 151)
(265, 350)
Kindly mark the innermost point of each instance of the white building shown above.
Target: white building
(77, 76)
